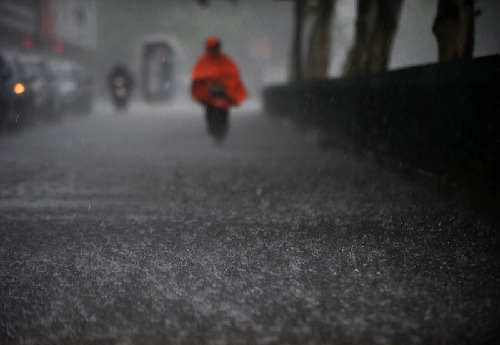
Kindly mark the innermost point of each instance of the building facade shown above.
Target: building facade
(66, 27)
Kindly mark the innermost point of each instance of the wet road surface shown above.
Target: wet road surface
(137, 229)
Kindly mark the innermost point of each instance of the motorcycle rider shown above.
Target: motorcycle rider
(216, 83)
(120, 82)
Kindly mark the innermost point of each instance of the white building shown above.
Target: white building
(70, 22)
(75, 22)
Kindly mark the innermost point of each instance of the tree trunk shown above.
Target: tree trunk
(365, 24)
(295, 68)
(454, 29)
(376, 27)
(318, 55)
(380, 49)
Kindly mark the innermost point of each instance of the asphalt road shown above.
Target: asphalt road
(137, 228)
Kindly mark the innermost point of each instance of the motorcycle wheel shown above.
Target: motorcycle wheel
(217, 122)
(120, 103)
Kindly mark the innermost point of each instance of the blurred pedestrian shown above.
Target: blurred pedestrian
(216, 83)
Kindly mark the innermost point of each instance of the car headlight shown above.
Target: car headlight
(19, 88)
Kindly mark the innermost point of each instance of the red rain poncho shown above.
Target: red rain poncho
(217, 68)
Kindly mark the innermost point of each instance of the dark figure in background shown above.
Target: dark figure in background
(216, 84)
(120, 83)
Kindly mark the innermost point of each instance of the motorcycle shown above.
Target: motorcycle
(119, 92)
(217, 116)
(217, 85)
(120, 83)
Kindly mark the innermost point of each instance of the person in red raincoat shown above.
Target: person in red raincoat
(216, 83)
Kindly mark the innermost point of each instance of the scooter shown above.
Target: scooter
(216, 113)
(120, 91)
(217, 96)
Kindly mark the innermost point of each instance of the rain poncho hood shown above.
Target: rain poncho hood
(216, 67)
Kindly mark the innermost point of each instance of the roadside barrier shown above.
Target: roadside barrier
(443, 118)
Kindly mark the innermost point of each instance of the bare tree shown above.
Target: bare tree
(318, 54)
(376, 26)
(454, 29)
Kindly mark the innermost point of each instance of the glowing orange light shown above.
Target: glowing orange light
(18, 88)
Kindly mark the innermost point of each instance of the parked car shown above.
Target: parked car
(41, 84)
(16, 102)
(74, 85)
(5, 88)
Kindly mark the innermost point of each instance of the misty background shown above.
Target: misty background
(258, 34)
